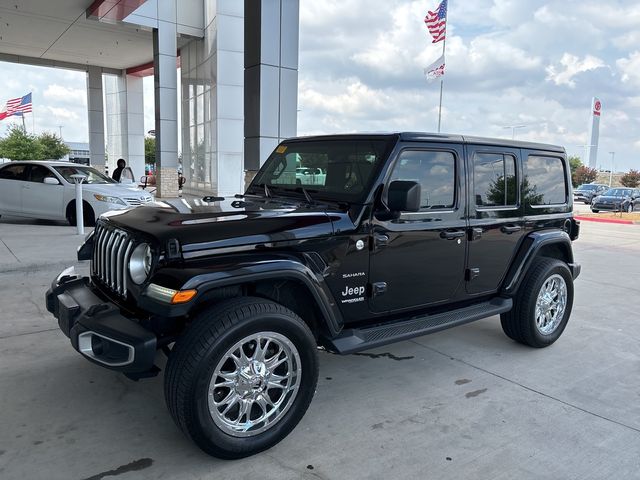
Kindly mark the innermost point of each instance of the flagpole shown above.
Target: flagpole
(24, 128)
(444, 43)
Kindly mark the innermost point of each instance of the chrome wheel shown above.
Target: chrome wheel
(254, 384)
(551, 304)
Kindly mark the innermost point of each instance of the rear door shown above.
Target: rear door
(11, 183)
(496, 222)
(418, 259)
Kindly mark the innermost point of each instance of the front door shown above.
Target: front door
(39, 199)
(418, 259)
(496, 220)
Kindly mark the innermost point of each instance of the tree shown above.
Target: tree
(584, 175)
(574, 164)
(19, 145)
(149, 150)
(51, 147)
(631, 179)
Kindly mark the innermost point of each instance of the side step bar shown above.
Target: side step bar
(358, 339)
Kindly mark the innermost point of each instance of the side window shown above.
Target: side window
(494, 180)
(13, 172)
(545, 181)
(38, 173)
(434, 171)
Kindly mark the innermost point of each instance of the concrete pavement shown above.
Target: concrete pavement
(464, 403)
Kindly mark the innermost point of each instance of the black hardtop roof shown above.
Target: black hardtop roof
(438, 137)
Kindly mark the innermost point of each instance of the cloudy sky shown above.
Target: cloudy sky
(525, 62)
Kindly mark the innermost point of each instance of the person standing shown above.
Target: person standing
(118, 171)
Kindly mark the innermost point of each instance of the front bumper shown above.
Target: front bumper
(616, 207)
(581, 198)
(96, 327)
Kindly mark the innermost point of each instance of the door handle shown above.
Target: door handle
(509, 229)
(451, 235)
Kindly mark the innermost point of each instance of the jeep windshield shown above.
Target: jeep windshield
(335, 170)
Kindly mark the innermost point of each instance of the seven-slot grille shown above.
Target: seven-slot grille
(111, 251)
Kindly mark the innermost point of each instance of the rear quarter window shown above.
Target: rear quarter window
(544, 180)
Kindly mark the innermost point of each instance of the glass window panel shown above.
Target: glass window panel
(434, 171)
(494, 180)
(545, 181)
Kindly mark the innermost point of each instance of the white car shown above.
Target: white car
(46, 190)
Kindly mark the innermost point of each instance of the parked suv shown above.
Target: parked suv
(407, 234)
(588, 191)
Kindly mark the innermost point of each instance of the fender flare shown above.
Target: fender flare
(529, 250)
(277, 269)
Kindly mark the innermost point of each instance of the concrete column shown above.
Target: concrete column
(165, 92)
(115, 107)
(212, 102)
(96, 118)
(271, 76)
(135, 125)
(125, 121)
(227, 103)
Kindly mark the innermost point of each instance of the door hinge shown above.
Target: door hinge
(380, 240)
(472, 273)
(378, 288)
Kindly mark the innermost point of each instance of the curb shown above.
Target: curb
(606, 220)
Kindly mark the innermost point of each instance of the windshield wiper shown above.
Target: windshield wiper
(307, 196)
(267, 190)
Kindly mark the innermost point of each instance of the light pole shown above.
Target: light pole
(613, 155)
(585, 159)
(513, 129)
(78, 179)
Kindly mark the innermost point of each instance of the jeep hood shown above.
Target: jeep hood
(230, 222)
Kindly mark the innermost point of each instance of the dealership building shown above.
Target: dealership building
(238, 63)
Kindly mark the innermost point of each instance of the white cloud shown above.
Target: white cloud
(630, 68)
(571, 66)
(61, 113)
(62, 94)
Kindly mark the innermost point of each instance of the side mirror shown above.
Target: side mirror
(404, 196)
(51, 181)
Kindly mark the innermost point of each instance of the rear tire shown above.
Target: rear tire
(542, 305)
(630, 208)
(207, 376)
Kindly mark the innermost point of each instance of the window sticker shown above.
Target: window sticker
(281, 149)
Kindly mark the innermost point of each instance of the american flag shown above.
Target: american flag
(437, 22)
(17, 106)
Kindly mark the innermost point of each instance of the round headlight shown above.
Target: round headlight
(140, 263)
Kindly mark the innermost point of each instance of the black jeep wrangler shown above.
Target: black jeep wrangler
(390, 237)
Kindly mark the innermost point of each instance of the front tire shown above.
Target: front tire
(542, 305)
(241, 377)
(87, 214)
(595, 211)
(630, 208)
